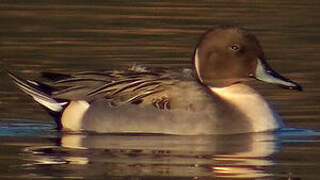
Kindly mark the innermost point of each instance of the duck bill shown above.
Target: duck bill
(266, 74)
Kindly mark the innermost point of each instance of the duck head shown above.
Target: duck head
(227, 55)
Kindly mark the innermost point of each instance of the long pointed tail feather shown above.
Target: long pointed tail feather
(38, 93)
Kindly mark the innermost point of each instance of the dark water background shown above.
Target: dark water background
(71, 36)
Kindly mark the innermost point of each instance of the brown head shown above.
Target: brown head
(227, 54)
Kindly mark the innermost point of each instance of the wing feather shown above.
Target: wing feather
(118, 87)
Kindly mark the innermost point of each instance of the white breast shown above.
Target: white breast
(252, 104)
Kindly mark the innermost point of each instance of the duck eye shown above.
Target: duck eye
(235, 47)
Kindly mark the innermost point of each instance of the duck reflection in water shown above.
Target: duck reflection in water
(233, 156)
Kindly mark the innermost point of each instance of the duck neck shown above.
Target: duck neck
(254, 107)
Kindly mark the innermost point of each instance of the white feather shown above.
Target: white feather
(53, 106)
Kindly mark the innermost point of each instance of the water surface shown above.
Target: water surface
(71, 36)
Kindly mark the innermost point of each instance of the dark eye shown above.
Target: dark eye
(235, 47)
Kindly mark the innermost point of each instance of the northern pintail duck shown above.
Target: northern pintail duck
(210, 98)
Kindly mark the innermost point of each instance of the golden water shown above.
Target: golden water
(71, 36)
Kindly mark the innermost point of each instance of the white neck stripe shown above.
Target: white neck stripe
(197, 64)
